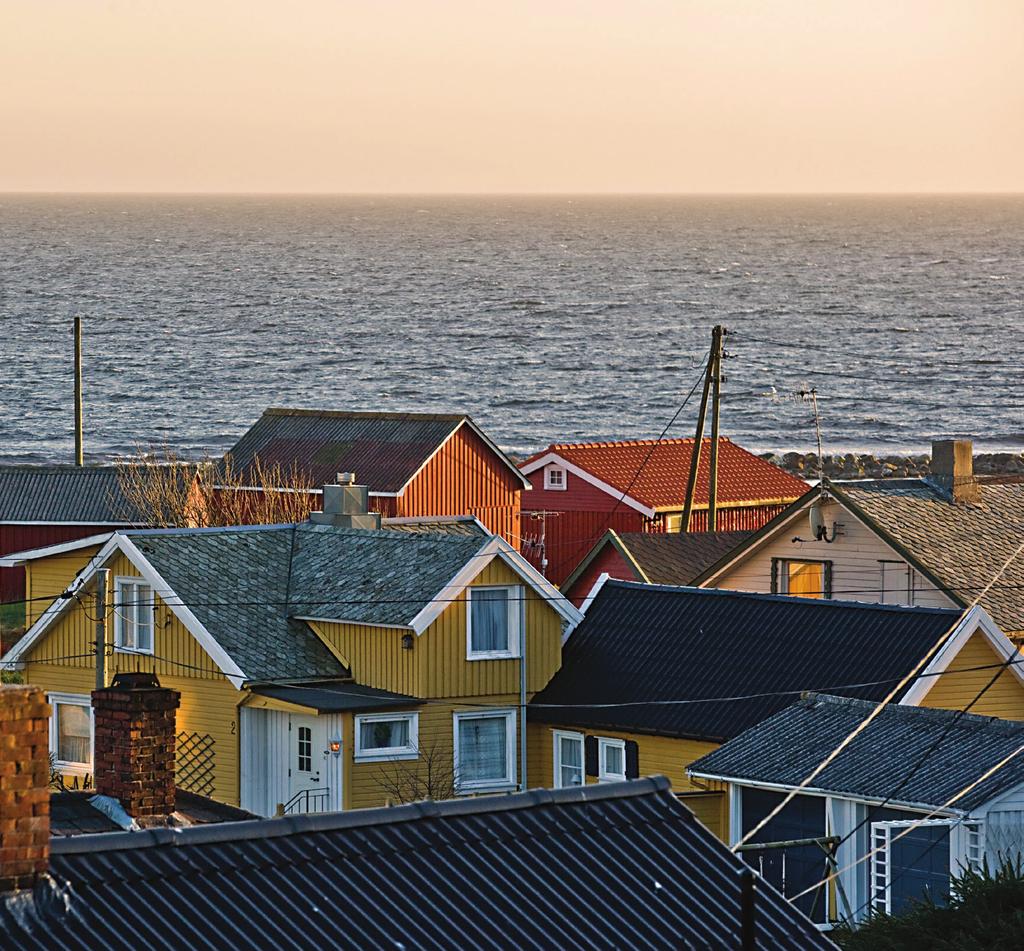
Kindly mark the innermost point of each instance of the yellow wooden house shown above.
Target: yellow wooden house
(319, 667)
(656, 676)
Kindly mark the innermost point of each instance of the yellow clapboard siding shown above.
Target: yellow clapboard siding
(45, 578)
(368, 785)
(954, 691)
(710, 808)
(374, 654)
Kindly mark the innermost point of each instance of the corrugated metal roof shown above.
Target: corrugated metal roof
(612, 866)
(384, 450)
(643, 645)
(954, 750)
(50, 494)
(655, 472)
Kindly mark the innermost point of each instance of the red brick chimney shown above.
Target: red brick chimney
(24, 786)
(134, 743)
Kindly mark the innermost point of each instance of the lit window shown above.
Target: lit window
(568, 759)
(674, 523)
(802, 579)
(484, 750)
(305, 749)
(71, 731)
(555, 478)
(493, 622)
(133, 614)
(386, 736)
(611, 757)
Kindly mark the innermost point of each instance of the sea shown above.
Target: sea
(553, 318)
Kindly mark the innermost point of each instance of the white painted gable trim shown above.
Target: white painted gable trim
(617, 494)
(17, 558)
(977, 619)
(122, 543)
(594, 592)
(495, 547)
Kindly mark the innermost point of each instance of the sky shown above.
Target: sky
(398, 96)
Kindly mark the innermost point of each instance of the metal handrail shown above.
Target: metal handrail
(315, 800)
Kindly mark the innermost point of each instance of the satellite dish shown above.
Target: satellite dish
(818, 528)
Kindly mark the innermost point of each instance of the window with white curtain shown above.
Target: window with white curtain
(387, 736)
(133, 615)
(493, 622)
(568, 759)
(71, 730)
(485, 750)
(611, 758)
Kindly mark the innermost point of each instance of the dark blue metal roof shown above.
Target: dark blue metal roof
(641, 648)
(614, 866)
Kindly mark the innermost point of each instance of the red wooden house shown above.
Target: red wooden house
(583, 489)
(415, 464)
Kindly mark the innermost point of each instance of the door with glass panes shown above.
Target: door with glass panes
(307, 764)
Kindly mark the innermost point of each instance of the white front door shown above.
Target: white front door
(308, 782)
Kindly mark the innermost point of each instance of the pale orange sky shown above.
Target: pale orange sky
(512, 96)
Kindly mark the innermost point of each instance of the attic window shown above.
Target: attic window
(492, 623)
(555, 478)
(133, 615)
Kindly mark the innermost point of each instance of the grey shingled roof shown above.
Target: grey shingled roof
(247, 586)
(48, 494)
(678, 557)
(880, 761)
(620, 865)
(961, 544)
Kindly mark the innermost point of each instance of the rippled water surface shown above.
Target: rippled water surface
(545, 318)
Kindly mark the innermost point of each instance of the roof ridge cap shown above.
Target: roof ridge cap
(363, 414)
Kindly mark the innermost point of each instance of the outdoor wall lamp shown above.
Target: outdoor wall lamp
(407, 642)
(335, 747)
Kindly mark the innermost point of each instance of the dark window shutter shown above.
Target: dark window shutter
(775, 576)
(632, 759)
(590, 754)
(827, 576)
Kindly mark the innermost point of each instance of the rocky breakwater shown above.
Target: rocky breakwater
(866, 465)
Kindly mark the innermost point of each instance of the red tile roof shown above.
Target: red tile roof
(661, 483)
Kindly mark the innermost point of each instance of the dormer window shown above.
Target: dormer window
(493, 622)
(554, 478)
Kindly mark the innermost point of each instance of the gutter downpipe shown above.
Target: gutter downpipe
(522, 691)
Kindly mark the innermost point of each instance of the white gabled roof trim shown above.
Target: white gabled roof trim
(594, 592)
(495, 547)
(336, 620)
(122, 543)
(977, 619)
(17, 558)
(617, 494)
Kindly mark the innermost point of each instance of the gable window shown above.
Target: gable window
(485, 744)
(71, 731)
(611, 758)
(493, 622)
(386, 736)
(555, 478)
(802, 579)
(133, 615)
(568, 759)
(897, 582)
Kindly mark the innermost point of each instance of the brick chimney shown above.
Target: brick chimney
(24, 786)
(134, 740)
(346, 505)
(953, 468)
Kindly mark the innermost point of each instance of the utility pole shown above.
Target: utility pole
(542, 516)
(102, 583)
(79, 452)
(712, 380)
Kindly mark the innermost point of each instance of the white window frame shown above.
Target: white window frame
(388, 754)
(880, 839)
(137, 607)
(551, 486)
(509, 780)
(558, 736)
(605, 743)
(77, 700)
(673, 522)
(515, 601)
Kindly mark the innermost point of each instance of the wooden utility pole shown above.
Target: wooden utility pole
(102, 583)
(79, 450)
(713, 377)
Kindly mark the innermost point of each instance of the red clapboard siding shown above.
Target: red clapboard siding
(609, 562)
(24, 537)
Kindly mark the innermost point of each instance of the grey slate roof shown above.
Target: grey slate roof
(438, 524)
(678, 557)
(962, 545)
(48, 494)
(640, 647)
(621, 865)
(247, 585)
(384, 450)
(786, 747)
